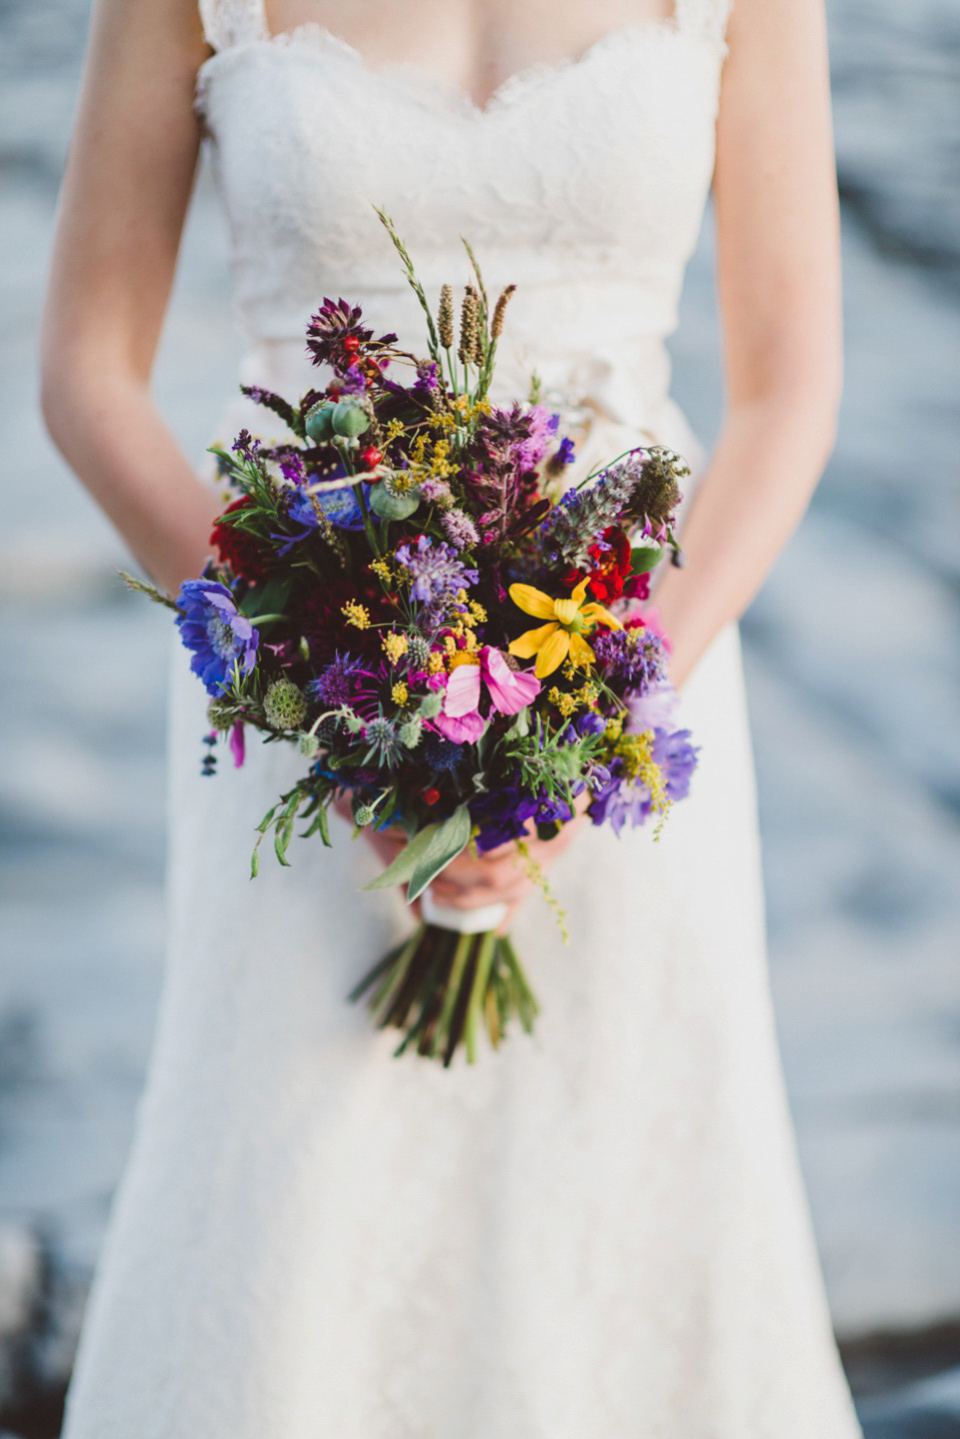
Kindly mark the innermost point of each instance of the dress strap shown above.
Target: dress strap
(233, 22)
(705, 17)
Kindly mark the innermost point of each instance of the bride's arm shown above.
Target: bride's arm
(779, 286)
(125, 194)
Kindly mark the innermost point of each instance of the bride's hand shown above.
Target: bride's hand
(499, 876)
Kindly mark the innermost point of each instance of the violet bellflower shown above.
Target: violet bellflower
(212, 627)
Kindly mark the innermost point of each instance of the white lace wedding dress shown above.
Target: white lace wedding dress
(599, 1233)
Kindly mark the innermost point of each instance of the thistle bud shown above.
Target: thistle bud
(410, 732)
(445, 317)
(499, 310)
(431, 705)
(469, 325)
(363, 815)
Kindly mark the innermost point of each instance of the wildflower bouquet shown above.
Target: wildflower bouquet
(405, 590)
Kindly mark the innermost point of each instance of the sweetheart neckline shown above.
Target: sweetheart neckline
(414, 78)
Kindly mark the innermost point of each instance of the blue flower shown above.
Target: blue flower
(212, 626)
(341, 507)
(618, 799)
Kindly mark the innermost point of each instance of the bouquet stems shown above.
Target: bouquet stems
(439, 988)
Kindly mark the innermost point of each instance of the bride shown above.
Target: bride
(599, 1233)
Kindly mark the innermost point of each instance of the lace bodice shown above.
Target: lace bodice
(582, 182)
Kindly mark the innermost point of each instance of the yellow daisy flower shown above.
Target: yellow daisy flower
(569, 620)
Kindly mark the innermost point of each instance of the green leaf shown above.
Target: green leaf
(392, 507)
(644, 558)
(521, 725)
(267, 598)
(406, 861)
(445, 844)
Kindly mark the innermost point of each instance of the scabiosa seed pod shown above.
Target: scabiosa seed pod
(222, 714)
(284, 705)
(469, 326)
(418, 652)
(445, 317)
(499, 310)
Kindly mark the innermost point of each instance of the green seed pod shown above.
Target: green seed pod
(363, 815)
(392, 507)
(222, 714)
(319, 422)
(410, 732)
(284, 705)
(431, 705)
(350, 419)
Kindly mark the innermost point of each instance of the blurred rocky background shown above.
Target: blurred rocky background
(853, 651)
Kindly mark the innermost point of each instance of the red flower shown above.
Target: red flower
(236, 548)
(610, 568)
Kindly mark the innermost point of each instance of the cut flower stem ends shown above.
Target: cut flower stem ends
(440, 988)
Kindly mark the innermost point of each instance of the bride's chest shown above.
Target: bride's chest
(611, 154)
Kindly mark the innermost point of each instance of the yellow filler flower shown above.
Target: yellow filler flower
(569, 620)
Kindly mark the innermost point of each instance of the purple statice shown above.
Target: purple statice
(436, 571)
(630, 659)
(213, 628)
(459, 529)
